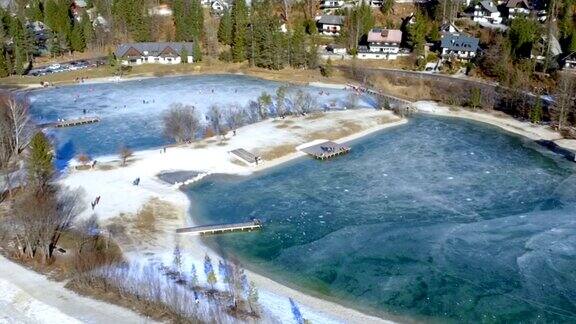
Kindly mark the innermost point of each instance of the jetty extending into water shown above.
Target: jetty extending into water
(71, 122)
(221, 228)
(325, 150)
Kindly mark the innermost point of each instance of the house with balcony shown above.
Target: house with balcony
(486, 12)
(382, 43)
(330, 24)
(459, 46)
(154, 53)
(569, 63)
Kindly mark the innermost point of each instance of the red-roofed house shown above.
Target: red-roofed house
(382, 44)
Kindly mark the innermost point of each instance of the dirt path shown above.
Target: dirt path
(28, 297)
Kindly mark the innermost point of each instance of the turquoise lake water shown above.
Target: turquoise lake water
(440, 219)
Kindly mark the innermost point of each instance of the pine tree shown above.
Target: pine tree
(4, 71)
(193, 276)
(239, 26)
(177, 259)
(54, 45)
(298, 48)
(225, 28)
(21, 47)
(536, 112)
(211, 279)
(184, 55)
(77, 42)
(196, 19)
(40, 159)
(87, 29)
(312, 59)
(178, 14)
(197, 54)
(417, 34)
(51, 14)
(475, 98)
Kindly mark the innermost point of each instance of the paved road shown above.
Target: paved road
(28, 297)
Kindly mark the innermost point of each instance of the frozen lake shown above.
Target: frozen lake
(131, 111)
(440, 219)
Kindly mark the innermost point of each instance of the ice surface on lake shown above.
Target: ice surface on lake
(131, 111)
(411, 222)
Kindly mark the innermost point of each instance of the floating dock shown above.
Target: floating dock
(72, 122)
(221, 228)
(326, 150)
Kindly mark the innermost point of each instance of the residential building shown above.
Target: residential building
(570, 62)
(517, 8)
(542, 48)
(448, 28)
(154, 53)
(486, 12)
(162, 10)
(382, 44)
(330, 25)
(218, 6)
(459, 46)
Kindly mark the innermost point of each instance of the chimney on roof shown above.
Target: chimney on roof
(384, 33)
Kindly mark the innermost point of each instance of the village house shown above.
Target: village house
(218, 6)
(331, 4)
(459, 46)
(517, 8)
(382, 44)
(448, 28)
(486, 12)
(330, 25)
(542, 47)
(162, 10)
(570, 62)
(154, 53)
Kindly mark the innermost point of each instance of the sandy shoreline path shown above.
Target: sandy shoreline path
(274, 140)
(28, 297)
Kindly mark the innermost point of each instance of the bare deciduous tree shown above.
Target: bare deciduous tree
(234, 116)
(41, 217)
(216, 120)
(125, 153)
(15, 127)
(564, 100)
(83, 158)
(303, 102)
(181, 123)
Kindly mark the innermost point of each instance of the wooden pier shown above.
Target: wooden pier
(221, 228)
(245, 156)
(72, 122)
(326, 150)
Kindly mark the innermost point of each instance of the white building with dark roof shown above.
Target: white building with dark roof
(154, 53)
(382, 44)
(331, 4)
(330, 25)
(517, 8)
(459, 46)
(486, 11)
(569, 62)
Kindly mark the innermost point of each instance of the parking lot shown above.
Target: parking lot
(65, 67)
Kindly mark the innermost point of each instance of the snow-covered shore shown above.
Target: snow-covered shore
(119, 196)
(28, 297)
(526, 129)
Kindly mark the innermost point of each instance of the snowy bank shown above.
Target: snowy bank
(121, 200)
